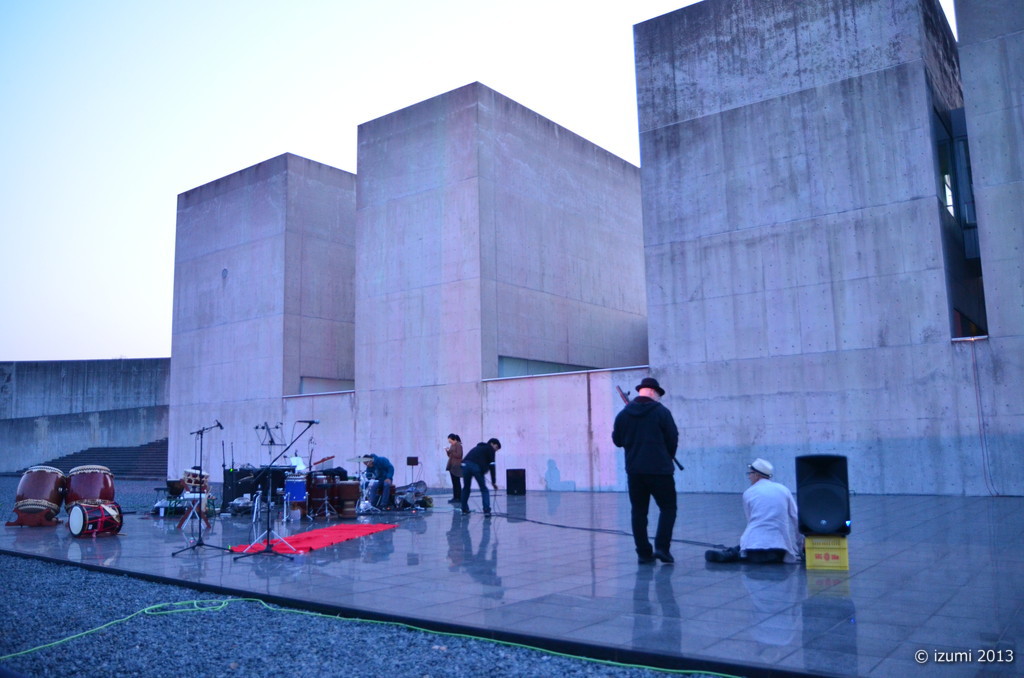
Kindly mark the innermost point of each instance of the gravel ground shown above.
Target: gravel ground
(121, 626)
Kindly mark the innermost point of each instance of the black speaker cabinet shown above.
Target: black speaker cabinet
(515, 480)
(822, 494)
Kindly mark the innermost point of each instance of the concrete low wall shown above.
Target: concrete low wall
(556, 427)
(52, 408)
(34, 440)
(958, 433)
(35, 388)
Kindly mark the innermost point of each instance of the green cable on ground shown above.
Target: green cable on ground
(218, 605)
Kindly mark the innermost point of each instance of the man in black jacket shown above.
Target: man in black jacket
(478, 461)
(647, 431)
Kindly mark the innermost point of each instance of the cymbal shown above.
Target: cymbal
(359, 458)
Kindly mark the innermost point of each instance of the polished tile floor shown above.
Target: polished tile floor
(938, 577)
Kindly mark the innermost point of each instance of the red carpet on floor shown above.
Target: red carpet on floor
(314, 539)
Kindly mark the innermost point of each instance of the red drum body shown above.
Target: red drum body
(347, 497)
(89, 520)
(39, 496)
(89, 484)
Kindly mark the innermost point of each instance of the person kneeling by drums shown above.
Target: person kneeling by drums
(772, 534)
(380, 473)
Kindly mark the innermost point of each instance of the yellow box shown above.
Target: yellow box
(826, 552)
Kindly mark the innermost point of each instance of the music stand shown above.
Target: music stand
(200, 515)
(269, 532)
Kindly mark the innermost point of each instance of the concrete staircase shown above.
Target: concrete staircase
(145, 462)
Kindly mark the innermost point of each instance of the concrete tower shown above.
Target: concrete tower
(805, 275)
(263, 302)
(491, 242)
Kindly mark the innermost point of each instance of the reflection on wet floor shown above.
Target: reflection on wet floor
(559, 567)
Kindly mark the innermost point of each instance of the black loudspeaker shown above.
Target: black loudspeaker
(822, 494)
(515, 480)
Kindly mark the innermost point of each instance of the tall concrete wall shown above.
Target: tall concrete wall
(484, 231)
(264, 265)
(795, 269)
(49, 409)
(992, 61)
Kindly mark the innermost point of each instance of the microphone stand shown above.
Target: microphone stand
(201, 516)
(268, 549)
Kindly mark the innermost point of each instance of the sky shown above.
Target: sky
(111, 108)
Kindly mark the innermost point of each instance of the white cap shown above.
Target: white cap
(763, 467)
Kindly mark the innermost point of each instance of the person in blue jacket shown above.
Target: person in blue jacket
(380, 469)
(646, 430)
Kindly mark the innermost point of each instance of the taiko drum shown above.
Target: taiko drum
(89, 484)
(39, 496)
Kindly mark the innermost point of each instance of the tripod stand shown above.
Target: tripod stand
(201, 516)
(265, 538)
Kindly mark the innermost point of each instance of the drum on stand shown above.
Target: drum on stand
(89, 484)
(89, 519)
(347, 497)
(39, 497)
(320, 488)
(195, 481)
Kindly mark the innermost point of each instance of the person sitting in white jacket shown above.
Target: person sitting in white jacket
(772, 535)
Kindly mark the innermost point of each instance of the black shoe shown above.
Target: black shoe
(664, 557)
(465, 512)
(645, 560)
(487, 514)
(729, 555)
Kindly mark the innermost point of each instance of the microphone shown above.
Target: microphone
(219, 425)
(308, 421)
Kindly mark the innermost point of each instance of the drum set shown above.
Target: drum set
(328, 493)
(332, 493)
(86, 492)
(409, 497)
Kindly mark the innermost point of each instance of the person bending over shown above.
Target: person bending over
(476, 461)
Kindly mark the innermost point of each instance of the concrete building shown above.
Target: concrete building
(807, 275)
(486, 237)
(263, 305)
(829, 261)
(479, 250)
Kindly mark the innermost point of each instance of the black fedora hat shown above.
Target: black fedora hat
(651, 382)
